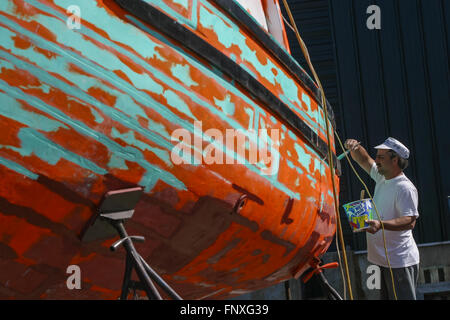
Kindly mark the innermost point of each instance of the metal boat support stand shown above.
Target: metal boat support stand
(116, 208)
(145, 273)
(332, 293)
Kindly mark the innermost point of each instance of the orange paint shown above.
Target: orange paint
(193, 235)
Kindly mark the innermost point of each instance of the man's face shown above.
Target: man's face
(384, 162)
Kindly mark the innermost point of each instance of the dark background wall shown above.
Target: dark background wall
(389, 82)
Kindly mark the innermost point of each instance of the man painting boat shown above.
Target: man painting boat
(397, 200)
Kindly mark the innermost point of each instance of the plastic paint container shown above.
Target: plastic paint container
(358, 212)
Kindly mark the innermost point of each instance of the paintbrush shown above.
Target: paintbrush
(346, 152)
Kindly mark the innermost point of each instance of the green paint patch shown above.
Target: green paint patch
(226, 105)
(117, 162)
(18, 168)
(12, 109)
(114, 27)
(307, 101)
(182, 73)
(318, 165)
(127, 105)
(175, 101)
(303, 157)
(33, 142)
(97, 116)
(183, 3)
(130, 139)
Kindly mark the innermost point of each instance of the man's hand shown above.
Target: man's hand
(397, 224)
(351, 144)
(359, 154)
(374, 226)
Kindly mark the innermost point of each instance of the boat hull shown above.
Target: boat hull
(89, 110)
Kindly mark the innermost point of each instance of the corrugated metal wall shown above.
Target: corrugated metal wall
(389, 82)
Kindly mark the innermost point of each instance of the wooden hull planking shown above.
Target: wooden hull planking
(85, 111)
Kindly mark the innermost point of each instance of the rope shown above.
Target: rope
(340, 266)
(330, 158)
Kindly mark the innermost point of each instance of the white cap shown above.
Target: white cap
(395, 145)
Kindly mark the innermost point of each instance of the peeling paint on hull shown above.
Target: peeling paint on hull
(90, 110)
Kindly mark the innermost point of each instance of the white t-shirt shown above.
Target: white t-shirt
(394, 198)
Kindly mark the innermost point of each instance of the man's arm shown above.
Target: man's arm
(359, 154)
(397, 224)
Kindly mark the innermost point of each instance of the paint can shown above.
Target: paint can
(358, 212)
